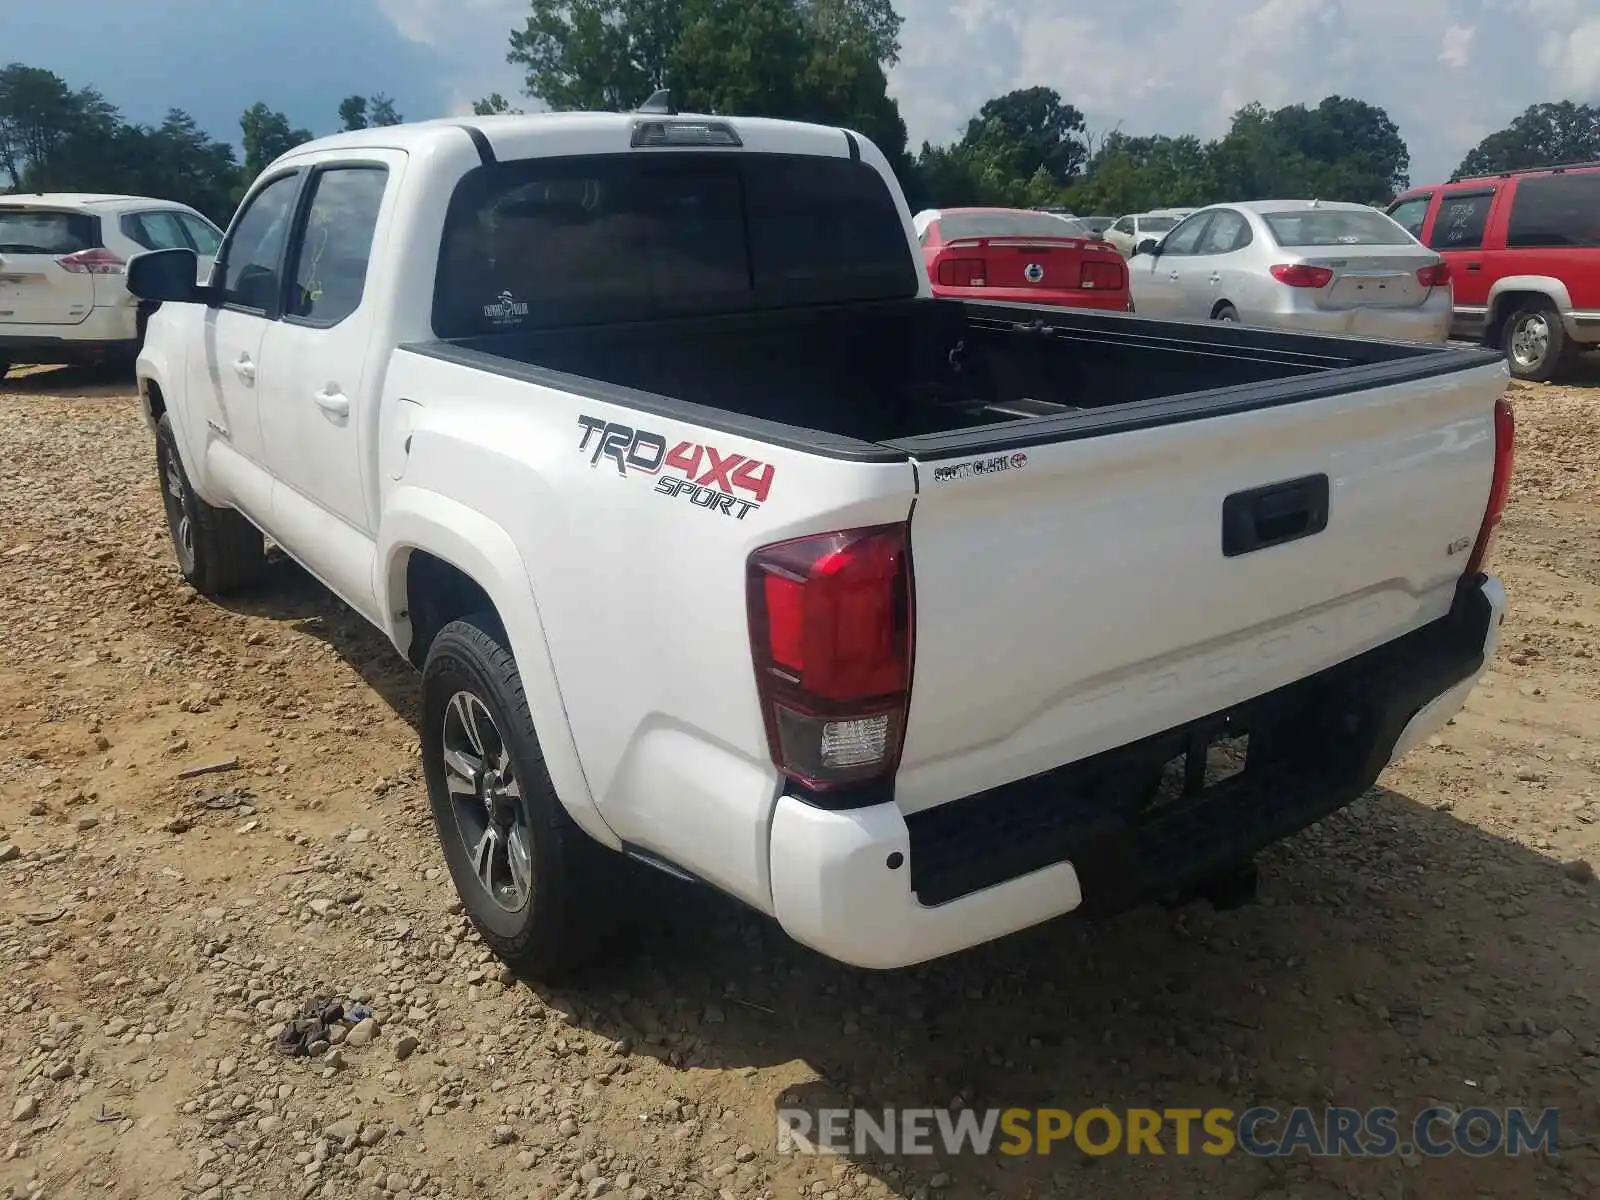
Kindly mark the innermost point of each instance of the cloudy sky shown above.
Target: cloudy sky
(1448, 71)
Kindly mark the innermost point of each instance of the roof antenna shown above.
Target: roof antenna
(659, 104)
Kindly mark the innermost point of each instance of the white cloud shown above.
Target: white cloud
(1455, 48)
(1447, 71)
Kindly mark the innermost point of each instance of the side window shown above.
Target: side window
(154, 230)
(335, 245)
(1229, 232)
(1462, 218)
(1555, 210)
(1124, 226)
(254, 251)
(1410, 214)
(206, 239)
(1186, 236)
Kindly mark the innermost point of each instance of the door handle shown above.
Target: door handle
(1472, 266)
(1272, 515)
(331, 401)
(245, 368)
(1215, 278)
(1172, 275)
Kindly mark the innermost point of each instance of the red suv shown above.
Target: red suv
(1524, 255)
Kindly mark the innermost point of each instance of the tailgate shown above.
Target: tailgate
(1074, 596)
(35, 289)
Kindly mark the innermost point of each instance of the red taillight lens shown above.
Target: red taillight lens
(1435, 276)
(1301, 276)
(1505, 453)
(963, 272)
(830, 629)
(98, 261)
(1100, 274)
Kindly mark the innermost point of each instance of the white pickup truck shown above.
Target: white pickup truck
(722, 545)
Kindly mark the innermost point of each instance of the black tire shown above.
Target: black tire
(563, 911)
(5, 366)
(1226, 312)
(218, 551)
(1535, 342)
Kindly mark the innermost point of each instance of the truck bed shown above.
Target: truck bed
(937, 378)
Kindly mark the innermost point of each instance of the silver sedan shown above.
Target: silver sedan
(1320, 266)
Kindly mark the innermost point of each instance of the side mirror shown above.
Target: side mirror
(163, 275)
(1149, 246)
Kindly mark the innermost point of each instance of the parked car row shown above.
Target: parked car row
(63, 258)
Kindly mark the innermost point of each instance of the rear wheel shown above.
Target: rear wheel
(217, 549)
(535, 886)
(1535, 342)
(5, 366)
(1226, 312)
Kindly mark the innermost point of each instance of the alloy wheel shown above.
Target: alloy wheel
(486, 797)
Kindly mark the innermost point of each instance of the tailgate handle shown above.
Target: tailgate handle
(1274, 514)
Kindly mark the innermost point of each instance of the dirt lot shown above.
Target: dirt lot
(1437, 942)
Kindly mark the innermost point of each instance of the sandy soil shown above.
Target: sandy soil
(1437, 942)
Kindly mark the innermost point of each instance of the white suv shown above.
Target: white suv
(63, 297)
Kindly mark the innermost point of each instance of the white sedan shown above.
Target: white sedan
(1321, 266)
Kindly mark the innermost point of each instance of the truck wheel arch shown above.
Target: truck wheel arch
(463, 562)
(1509, 293)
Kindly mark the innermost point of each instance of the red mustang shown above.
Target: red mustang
(1021, 257)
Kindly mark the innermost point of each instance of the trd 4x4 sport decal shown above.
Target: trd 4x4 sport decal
(703, 475)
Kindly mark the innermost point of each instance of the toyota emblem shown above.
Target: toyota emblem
(1033, 272)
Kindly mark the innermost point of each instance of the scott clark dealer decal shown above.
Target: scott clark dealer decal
(980, 466)
(730, 484)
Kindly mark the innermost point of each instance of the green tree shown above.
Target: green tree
(353, 113)
(493, 105)
(818, 60)
(267, 134)
(1132, 174)
(1542, 135)
(1030, 130)
(1342, 149)
(45, 126)
(383, 113)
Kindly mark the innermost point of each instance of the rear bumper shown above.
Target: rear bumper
(873, 888)
(1430, 323)
(1052, 297)
(109, 331)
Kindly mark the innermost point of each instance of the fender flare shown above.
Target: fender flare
(1545, 285)
(151, 368)
(417, 519)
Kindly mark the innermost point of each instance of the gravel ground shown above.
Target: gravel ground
(1437, 942)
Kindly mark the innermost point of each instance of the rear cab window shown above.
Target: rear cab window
(1300, 228)
(1555, 211)
(47, 231)
(597, 239)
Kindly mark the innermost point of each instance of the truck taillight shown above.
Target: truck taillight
(830, 629)
(97, 261)
(1435, 276)
(1505, 438)
(1301, 276)
(963, 272)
